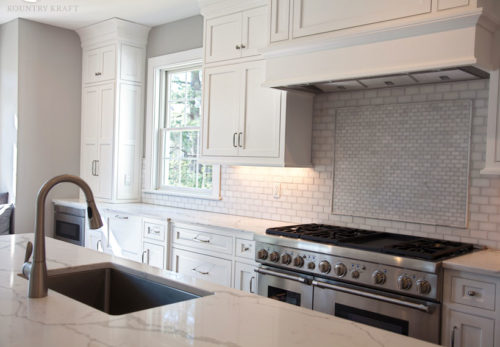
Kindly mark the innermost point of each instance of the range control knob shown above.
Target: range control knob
(404, 282)
(423, 287)
(286, 259)
(311, 265)
(324, 267)
(355, 274)
(262, 254)
(275, 257)
(298, 261)
(379, 277)
(340, 269)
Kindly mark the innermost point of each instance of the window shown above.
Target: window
(175, 111)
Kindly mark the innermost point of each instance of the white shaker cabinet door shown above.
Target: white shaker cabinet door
(245, 277)
(221, 110)
(254, 31)
(90, 136)
(104, 166)
(99, 64)
(154, 255)
(223, 38)
(259, 130)
(125, 235)
(466, 330)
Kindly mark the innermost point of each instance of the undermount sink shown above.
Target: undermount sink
(118, 290)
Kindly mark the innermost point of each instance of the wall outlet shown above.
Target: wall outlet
(277, 190)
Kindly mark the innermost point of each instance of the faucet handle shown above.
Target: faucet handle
(29, 250)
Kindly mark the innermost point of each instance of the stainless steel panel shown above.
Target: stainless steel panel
(421, 325)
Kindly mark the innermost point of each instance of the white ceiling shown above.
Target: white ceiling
(74, 14)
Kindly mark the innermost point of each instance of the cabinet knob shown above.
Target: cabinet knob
(471, 293)
(238, 47)
(243, 46)
(98, 74)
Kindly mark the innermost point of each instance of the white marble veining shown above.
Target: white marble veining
(486, 262)
(227, 318)
(234, 223)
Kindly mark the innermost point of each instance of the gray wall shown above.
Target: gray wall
(50, 68)
(8, 105)
(175, 36)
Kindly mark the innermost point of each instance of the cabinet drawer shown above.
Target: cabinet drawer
(203, 240)
(154, 255)
(245, 248)
(473, 293)
(201, 266)
(154, 231)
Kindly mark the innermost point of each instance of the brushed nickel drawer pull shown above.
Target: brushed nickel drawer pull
(201, 272)
(120, 217)
(471, 293)
(200, 240)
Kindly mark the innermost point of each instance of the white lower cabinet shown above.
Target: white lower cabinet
(245, 277)
(202, 266)
(95, 240)
(153, 255)
(471, 311)
(124, 235)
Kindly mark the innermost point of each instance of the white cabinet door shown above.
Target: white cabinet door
(201, 266)
(125, 236)
(90, 136)
(154, 255)
(465, 330)
(245, 277)
(259, 125)
(99, 64)
(104, 166)
(95, 240)
(221, 101)
(223, 38)
(132, 63)
(129, 141)
(320, 16)
(280, 20)
(254, 31)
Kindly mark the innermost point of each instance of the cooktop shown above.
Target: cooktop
(382, 242)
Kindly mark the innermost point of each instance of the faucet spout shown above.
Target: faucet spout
(38, 271)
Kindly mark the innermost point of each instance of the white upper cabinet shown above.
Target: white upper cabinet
(247, 124)
(236, 35)
(112, 108)
(320, 16)
(99, 64)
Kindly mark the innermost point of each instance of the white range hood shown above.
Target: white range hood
(458, 46)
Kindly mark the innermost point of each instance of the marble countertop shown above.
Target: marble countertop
(227, 318)
(220, 220)
(486, 262)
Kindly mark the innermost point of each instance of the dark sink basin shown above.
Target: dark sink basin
(116, 291)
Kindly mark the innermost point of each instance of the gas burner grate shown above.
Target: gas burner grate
(295, 231)
(339, 235)
(429, 249)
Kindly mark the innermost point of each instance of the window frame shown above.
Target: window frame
(155, 113)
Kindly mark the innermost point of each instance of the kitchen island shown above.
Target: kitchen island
(227, 318)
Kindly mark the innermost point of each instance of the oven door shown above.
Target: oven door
(411, 317)
(286, 286)
(69, 228)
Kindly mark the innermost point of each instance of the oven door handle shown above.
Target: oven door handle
(282, 275)
(420, 307)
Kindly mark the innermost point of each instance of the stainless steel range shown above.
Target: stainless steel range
(390, 281)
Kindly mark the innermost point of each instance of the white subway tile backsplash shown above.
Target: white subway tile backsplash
(247, 191)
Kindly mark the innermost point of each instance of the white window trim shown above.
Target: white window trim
(155, 66)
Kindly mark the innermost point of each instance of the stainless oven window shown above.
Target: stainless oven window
(68, 230)
(283, 295)
(395, 325)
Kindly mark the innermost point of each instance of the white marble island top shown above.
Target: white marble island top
(227, 318)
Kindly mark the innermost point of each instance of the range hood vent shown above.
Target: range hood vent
(465, 73)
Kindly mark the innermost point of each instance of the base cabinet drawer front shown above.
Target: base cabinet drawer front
(466, 330)
(245, 277)
(473, 293)
(203, 240)
(201, 266)
(154, 230)
(245, 248)
(153, 255)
